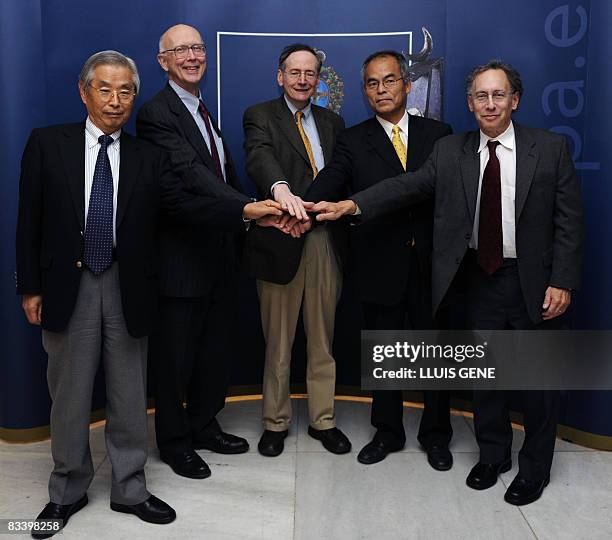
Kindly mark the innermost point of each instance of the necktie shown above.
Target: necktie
(98, 253)
(298, 121)
(398, 144)
(213, 146)
(490, 238)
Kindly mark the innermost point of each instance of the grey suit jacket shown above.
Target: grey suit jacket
(275, 151)
(548, 209)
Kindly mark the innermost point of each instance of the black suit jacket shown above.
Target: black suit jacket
(275, 151)
(51, 222)
(380, 248)
(193, 257)
(548, 209)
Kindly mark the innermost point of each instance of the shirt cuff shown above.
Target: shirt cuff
(276, 184)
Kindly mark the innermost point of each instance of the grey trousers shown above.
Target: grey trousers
(97, 330)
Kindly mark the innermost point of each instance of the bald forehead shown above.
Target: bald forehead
(180, 34)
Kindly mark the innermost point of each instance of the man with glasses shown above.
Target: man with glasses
(508, 238)
(288, 141)
(396, 293)
(86, 255)
(192, 352)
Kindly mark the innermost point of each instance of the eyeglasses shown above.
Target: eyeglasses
(124, 96)
(182, 51)
(498, 96)
(387, 83)
(295, 74)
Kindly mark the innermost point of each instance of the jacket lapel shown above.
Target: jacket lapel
(379, 141)
(526, 160)
(73, 158)
(469, 164)
(129, 166)
(287, 125)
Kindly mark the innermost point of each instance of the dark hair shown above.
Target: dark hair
(295, 47)
(401, 60)
(514, 78)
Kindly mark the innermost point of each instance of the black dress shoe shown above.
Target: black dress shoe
(440, 458)
(484, 475)
(222, 443)
(522, 491)
(271, 443)
(187, 464)
(377, 450)
(58, 511)
(153, 510)
(332, 439)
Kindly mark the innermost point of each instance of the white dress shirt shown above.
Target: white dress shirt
(506, 153)
(92, 147)
(403, 125)
(192, 103)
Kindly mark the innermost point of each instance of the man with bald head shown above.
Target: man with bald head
(191, 352)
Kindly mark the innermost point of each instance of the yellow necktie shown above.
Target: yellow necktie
(298, 121)
(400, 147)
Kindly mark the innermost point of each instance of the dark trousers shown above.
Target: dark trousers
(411, 313)
(191, 358)
(496, 303)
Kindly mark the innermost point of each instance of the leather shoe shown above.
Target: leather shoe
(222, 443)
(271, 443)
(58, 511)
(187, 464)
(377, 450)
(153, 510)
(440, 458)
(522, 491)
(484, 475)
(332, 439)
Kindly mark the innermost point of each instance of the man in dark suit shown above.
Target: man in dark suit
(396, 294)
(191, 352)
(508, 230)
(287, 141)
(86, 267)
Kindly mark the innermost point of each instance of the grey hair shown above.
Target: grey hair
(401, 60)
(514, 78)
(108, 58)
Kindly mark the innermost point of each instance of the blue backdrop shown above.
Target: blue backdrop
(562, 49)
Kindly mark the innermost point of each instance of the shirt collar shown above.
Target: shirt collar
(191, 102)
(506, 139)
(388, 126)
(305, 111)
(93, 132)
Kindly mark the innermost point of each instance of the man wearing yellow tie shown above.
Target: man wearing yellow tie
(391, 256)
(288, 141)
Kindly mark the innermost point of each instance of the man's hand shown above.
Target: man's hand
(295, 227)
(556, 302)
(259, 209)
(32, 306)
(330, 211)
(289, 202)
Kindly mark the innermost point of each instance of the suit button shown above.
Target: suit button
(79, 264)
(468, 236)
(458, 260)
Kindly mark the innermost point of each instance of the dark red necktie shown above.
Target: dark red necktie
(490, 237)
(213, 146)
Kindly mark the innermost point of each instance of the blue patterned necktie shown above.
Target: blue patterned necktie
(98, 255)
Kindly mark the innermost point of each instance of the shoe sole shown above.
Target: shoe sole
(125, 509)
(528, 500)
(218, 451)
(504, 467)
(318, 437)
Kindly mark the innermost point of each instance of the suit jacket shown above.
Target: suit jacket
(51, 222)
(193, 257)
(275, 151)
(380, 248)
(548, 208)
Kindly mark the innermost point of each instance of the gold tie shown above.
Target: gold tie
(298, 121)
(400, 147)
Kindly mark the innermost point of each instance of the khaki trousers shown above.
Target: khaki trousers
(317, 285)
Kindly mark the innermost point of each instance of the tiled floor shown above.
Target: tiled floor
(310, 494)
